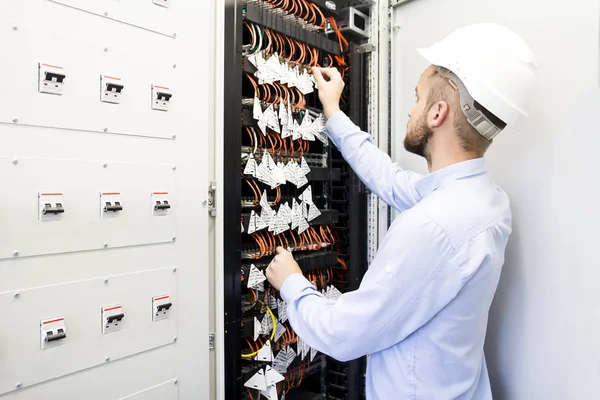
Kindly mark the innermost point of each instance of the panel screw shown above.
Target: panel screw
(15, 120)
(19, 385)
(105, 129)
(174, 65)
(174, 269)
(174, 136)
(105, 245)
(174, 238)
(16, 254)
(16, 161)
(17, 295)
(175, 339)
(105, 49)
(106, 281)
(106, 14)
(175, 382)
(174, 167)
(204, 203)
(174, 35)
(105, 165)
(107, 359)
(15, 28)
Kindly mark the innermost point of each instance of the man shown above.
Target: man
(422, 308)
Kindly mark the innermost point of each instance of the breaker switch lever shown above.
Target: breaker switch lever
(165, 306)
(116, 317)
(49, 209)
(164, 96)
(164, 205)
(51, 337)
(113, 207)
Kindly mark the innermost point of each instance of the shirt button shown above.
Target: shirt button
(388, 268)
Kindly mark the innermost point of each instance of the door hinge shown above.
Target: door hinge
(211, 341)
(212, 207)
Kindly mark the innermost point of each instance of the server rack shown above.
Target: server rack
(337, 192)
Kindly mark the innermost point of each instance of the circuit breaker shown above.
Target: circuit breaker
(288, 186)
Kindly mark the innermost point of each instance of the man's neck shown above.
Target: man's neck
(443, 160)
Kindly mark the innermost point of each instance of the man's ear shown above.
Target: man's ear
(438, 114)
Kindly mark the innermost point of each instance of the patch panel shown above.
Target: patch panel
(294, 191)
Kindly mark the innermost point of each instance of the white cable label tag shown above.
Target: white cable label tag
(250, 166)
(280, 362)
(257, 109)
(304, 166)
(291, 356)
(257, 382)
(313, 212)
(272, 376)
(282, 309)
(302, 226)
(256, 277)
(265, 353)
(279, 331)
(313, 353)
(266, 325)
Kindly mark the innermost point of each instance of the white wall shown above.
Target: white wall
(545, 321)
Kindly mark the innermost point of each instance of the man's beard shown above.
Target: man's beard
(417, 139)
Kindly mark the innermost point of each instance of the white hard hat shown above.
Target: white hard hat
(494, 64)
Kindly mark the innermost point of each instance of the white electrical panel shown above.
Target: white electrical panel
(68, 88)
(65, 193)
(42, 314)
(163, 391)
(90, 133)
(138, 13)
(163, 3)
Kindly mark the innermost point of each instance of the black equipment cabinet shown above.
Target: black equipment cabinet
(338, 193)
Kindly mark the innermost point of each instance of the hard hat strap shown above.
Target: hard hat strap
(484, 122)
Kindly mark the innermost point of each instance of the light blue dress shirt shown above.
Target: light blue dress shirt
(421, 311)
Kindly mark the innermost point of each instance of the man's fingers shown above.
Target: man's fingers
(331, 73)
(281, 250)
(318, 76)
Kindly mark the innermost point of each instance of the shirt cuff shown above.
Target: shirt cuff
(293, 286)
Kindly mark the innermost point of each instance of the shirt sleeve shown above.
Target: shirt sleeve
(382, 176)
(413, 276)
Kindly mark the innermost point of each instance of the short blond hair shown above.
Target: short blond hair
(470, 140)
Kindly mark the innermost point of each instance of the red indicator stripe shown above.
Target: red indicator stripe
(112, 308)
(161, 298)
(160, 193)
(111, 194)
(52, 66)
(52, 321)
(161, 87)
(51, 194)
(112, 77)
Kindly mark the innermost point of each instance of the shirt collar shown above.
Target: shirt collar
(464, 169)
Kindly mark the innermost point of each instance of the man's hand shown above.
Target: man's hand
(330, 85)
(282, 266)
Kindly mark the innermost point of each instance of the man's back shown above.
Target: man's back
(422, 307)
(443, 359)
